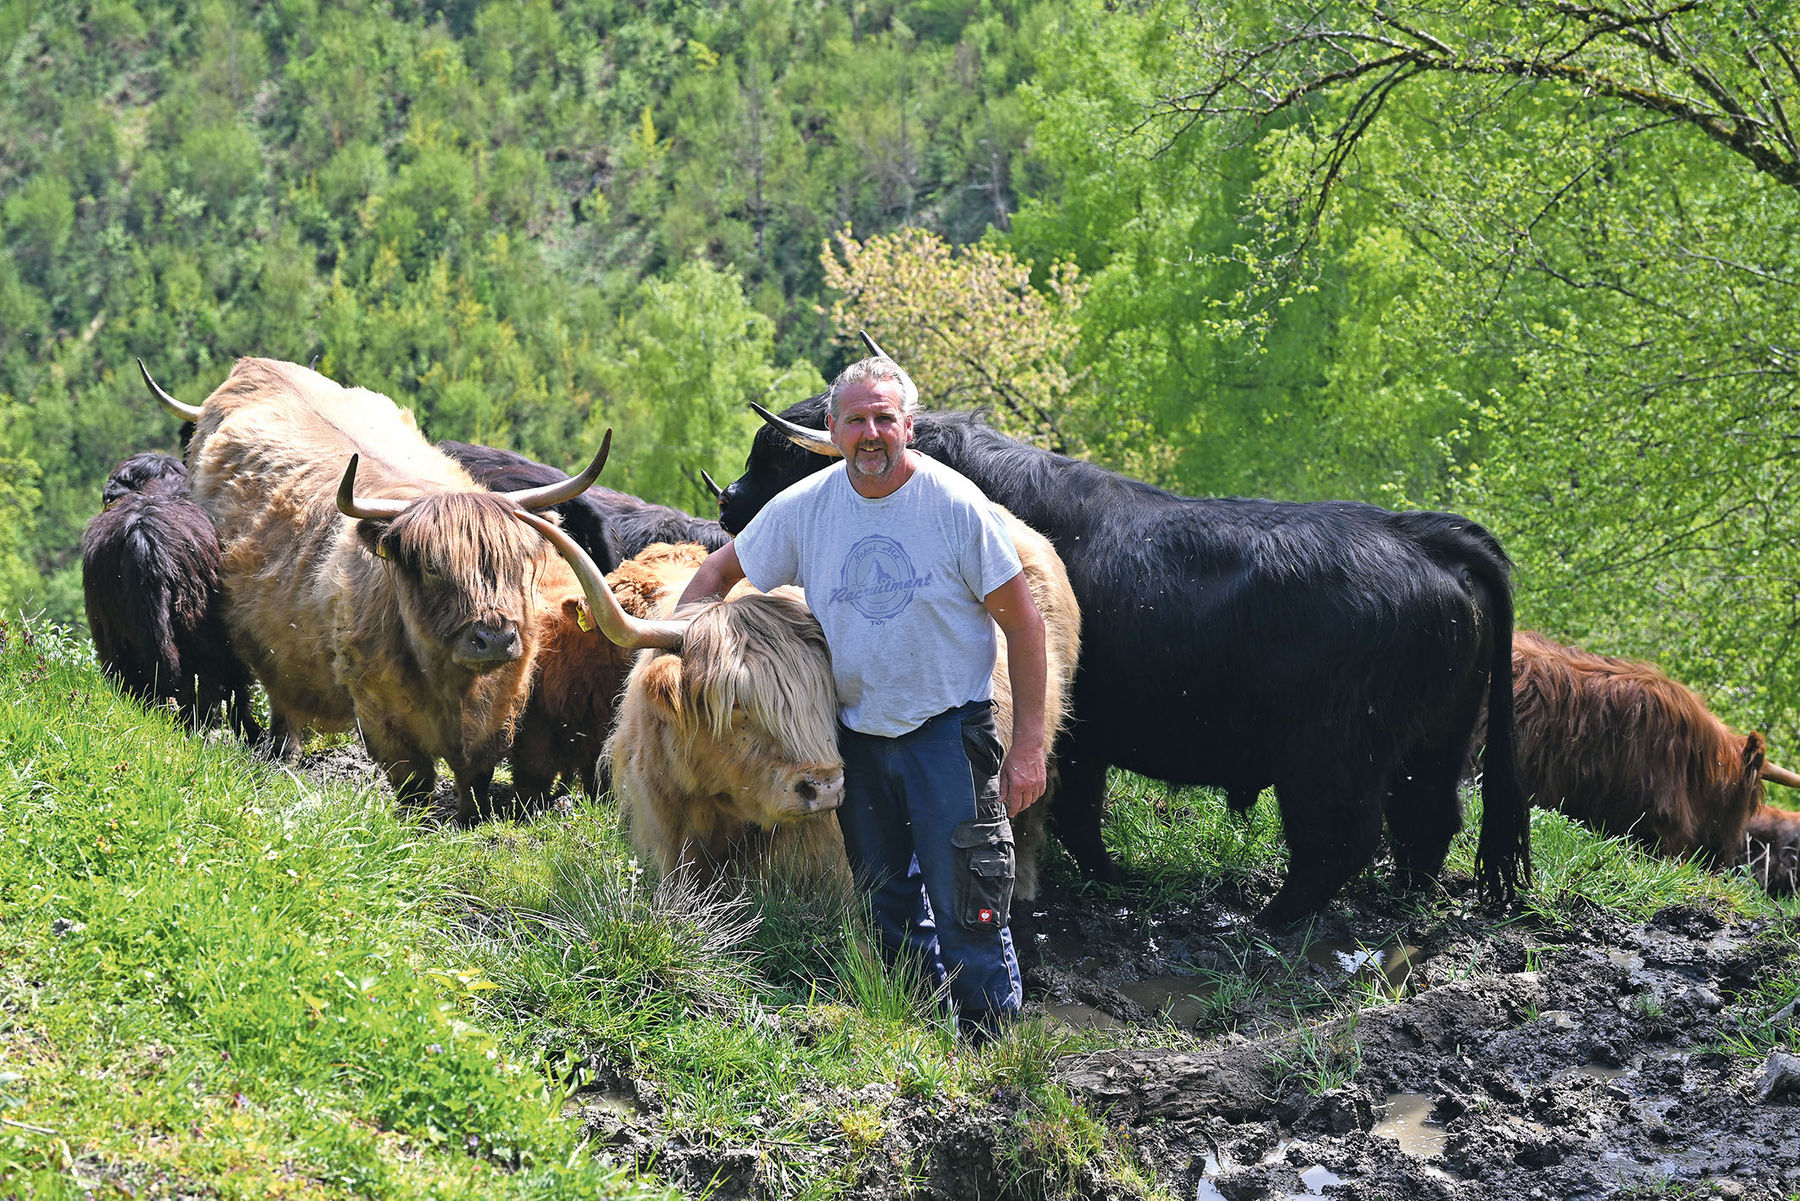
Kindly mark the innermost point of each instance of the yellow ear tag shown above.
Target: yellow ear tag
(381, 550)
(583, 620)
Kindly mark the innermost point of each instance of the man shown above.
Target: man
(903, 562)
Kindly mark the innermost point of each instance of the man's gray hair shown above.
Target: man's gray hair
(873, 370)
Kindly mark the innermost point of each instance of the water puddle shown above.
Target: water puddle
(1625, 959)
(1407, 1120)
(1315, 1179)
(1600, 1071)
(1179, 1000)
(1389, 967)
(1077, 1016)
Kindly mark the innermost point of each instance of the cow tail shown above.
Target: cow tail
(1503, 852)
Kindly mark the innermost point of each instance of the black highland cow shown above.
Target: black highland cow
(610, 526)
(150, 577)
(1337, 651)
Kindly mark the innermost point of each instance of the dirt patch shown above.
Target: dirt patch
(1511, 1062)
(1389, 1051)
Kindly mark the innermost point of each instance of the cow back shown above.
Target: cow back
(1620, 746)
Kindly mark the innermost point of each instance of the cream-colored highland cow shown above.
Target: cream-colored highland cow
(725, 753)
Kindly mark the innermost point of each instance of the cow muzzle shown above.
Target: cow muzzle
(484, 645)
(817, 792)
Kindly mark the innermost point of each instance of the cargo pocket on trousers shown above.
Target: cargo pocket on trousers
(984, 874)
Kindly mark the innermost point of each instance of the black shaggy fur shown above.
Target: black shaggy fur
(610, 526)
(1337, 651)
(150, 577)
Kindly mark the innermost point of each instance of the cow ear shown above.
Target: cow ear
(373, 535)
(1754, 753)
(662, 686)
(575, 611)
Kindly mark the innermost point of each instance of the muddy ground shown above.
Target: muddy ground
(1471, 1053)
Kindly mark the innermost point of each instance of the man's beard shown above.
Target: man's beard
(859, 463)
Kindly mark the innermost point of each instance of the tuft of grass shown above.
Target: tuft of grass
(1321, 1057)
(1575, 868)
(1174, 842)
(1768, 1016)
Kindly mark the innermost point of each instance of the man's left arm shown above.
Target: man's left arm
(1023, 773)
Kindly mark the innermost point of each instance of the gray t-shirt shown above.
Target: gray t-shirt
(898, 585)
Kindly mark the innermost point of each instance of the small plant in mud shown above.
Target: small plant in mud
(863, 1127)
(1769, 1015)
(1320, 1058)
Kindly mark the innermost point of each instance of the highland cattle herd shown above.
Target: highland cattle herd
(463, 604)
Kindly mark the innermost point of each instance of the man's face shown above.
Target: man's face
(870, 430)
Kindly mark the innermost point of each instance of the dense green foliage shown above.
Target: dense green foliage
(1531, 262)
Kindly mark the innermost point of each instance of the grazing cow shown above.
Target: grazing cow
(409, 612)
(610, 526)
(1338, 651)
(1619, 746)
(725, 755)
(150, 578)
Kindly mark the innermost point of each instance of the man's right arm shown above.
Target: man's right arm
(716, 576)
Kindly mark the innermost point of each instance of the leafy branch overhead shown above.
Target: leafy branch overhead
(1727, 72)
(967, 325)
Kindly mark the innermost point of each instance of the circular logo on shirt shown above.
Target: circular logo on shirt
(878, 578)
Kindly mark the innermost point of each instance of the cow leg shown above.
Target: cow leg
(411, 772)
(474, 795)
(1332, 830)
(1424, 814)
(1077, 809)
(284, 736)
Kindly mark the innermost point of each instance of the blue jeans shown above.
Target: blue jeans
(904, 801)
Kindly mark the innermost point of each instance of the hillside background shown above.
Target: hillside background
(1544, 278)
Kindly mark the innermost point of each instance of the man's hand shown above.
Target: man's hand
(1022, 777)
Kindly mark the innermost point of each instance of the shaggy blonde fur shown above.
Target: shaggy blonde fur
(676, 719)
(342, 638)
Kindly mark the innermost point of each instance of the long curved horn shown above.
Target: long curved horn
(813, 440)
(873, 349)
(186, 412)
(712, 485)
(365, 508)
(632, 633)
(1779, 775)
(545, 495)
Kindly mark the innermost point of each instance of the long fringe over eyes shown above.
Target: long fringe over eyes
(765, 655)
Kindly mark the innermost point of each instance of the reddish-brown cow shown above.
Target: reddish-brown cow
(574, 694)
(1619, 746)
(408, 612)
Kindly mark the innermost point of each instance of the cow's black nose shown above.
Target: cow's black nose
(486, 642)
(807, 791)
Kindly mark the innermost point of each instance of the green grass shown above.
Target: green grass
(211, 977)
(218, 978)
(1172, 842)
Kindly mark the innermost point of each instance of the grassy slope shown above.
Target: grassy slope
(216, 978)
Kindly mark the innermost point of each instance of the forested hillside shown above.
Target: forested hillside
(1530, 262)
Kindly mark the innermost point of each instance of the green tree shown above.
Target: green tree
(969, 326)
(691, 354)
(1596, 213)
